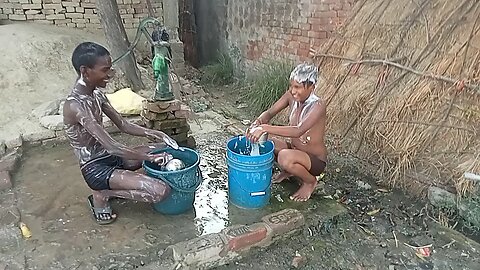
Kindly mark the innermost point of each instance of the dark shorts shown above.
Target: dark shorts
(97, 171)
(317, 165)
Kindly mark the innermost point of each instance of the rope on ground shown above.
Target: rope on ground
(461, 83)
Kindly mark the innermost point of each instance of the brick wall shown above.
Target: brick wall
(74, 13)
(262, 29)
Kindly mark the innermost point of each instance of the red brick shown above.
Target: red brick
(161, 106)
(297, 32)
(342, 14)
(304, 26)
(303, 52)
(304, 46)
(241, 237)
(304, 38)
(5, 182)
(336, 6)
(319, 6)
(323, 27)
(317, 34)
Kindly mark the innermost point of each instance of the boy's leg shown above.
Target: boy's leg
(131, 185)
(280, 145)
(298, 163)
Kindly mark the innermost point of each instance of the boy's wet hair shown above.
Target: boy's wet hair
(305, 74)
(86, 54)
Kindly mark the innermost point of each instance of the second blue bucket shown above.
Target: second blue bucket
(183, 183)
(249, 177)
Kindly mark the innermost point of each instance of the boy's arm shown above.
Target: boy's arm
(318, 112)
(133, 129)
(87, 120)
(277, 107)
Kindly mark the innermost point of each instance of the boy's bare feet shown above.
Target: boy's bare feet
(304, 192)
(278, 178)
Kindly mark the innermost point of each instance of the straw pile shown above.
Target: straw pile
(401, 80)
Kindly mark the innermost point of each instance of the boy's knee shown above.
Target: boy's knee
(284, 159)
(161, 191)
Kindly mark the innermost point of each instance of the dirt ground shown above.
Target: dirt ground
(36, 68)
(381, 230)
(51, 196)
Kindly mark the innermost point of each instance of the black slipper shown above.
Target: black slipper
(101, 211)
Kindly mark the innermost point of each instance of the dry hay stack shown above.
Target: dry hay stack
(401, 80)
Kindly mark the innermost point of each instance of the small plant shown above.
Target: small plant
(219, 73)
(267, 84)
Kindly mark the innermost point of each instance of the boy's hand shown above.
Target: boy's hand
(158, 135)
(161, 158)
(255, 133)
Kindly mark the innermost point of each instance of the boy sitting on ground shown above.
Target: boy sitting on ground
(303, 153)
(107, 166)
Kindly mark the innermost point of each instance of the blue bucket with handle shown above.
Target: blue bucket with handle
(249, 177)
(183, 183)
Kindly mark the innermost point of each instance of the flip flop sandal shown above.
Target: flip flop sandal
(101, 211)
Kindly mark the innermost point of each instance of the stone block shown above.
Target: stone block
(13, 141)
(5, 180)
(52, 6)
(48, 11)
(16, 17)
(39, 135)
(77, 21)
(32, 6)
(161, 106)
(74, 15)
(55, 17)
(283, 222)
(80, 9)
(149, 115)
(148, 123)
(177, 130)
(10, 161)
(169, 124)
(36, 17)
(199, 251)
(43, 21)
(70, 4)
(52, 122)
(70, 9)
(242, 237)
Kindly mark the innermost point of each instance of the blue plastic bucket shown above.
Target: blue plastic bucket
(249, 177)
(183, 182)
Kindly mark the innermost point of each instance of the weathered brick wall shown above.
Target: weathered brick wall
(260, 29)
(74, 13)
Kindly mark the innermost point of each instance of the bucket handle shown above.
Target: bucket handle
(256, 193)
(191, 189)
